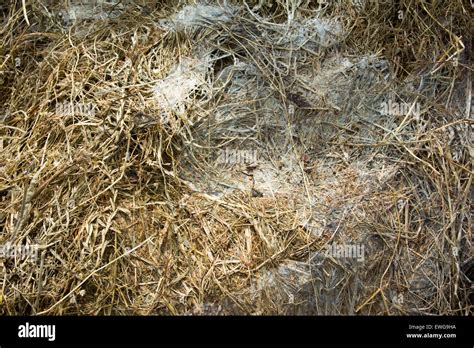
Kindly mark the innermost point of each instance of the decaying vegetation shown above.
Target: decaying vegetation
(137, 206)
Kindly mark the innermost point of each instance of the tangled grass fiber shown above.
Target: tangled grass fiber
(117, 194)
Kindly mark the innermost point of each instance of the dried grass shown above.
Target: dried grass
(135, 216)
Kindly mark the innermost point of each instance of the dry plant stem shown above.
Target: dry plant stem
(136, 208)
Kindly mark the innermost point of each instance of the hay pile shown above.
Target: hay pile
(120, 122)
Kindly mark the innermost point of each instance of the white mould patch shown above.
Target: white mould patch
(87, 10)
(173, 91)
(195, 17)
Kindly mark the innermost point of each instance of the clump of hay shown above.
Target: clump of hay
(204, 159)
